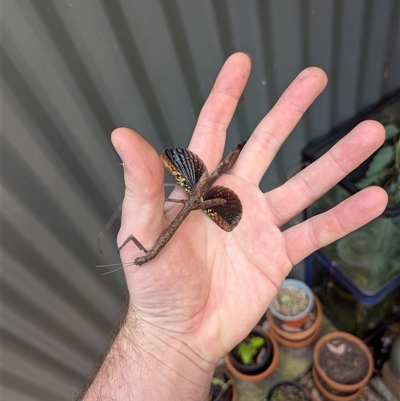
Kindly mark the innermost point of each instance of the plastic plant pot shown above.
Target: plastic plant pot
(300, 318)
(297, 339)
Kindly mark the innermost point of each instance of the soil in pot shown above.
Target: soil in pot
(291, 301)
(343, 361)
(287, 391)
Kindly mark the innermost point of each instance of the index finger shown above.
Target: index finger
(208, 139)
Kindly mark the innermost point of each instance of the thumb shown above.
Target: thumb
(143, 205)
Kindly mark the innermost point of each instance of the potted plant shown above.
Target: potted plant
(293, 303)
(297, 337)
(342, 366)
(255, 357)
(294, 318)
(288, 390)
(223, 387)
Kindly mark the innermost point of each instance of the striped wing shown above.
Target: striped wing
(185, 166)
(228, 215)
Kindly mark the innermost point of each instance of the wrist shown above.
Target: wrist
(145, 362)
(177, 371)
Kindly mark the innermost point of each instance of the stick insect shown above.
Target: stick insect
(221, 204)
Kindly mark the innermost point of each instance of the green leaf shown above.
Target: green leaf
(257, 342)
(370, 180)
(391, 130)
(383, 157)
(248, 349)
(216, 381)
(245, 353)
(378, 168)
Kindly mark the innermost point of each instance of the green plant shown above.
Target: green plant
(249, 348)
(216, 381)
(384, 169)
(284, 297)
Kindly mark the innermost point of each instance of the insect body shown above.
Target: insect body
(221, 204)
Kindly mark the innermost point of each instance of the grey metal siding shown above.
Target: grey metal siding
(74, 70)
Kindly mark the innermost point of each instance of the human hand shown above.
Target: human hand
(207, 288)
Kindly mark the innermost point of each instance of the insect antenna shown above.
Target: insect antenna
(120, 267)
(112, 271)
(110, 265)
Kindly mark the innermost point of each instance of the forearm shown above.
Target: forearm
(146, 364)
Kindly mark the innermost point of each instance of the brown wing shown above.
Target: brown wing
(185, 166)
(228, 215)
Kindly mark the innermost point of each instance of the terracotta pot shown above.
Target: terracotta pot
(291, 383)
(324, 382)
(297, 344)
(333, 397)
(229, 376)
(301, 338)
(301, 318)
(270, 368)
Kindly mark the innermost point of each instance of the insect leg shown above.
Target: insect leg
(226, 164)
(135, 241)
(175, 200)
(107, 227)
(209, 203)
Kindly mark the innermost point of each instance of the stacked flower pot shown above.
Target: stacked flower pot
(342, 366)
(295, 315)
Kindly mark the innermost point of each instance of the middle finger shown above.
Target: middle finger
(276, 126)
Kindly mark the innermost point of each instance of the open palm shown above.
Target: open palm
(208, 287)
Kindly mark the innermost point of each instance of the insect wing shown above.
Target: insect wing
(185, 166)
(228, 215)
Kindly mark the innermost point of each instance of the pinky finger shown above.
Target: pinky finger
(325, 228)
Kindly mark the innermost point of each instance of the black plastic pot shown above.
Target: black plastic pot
(262, 366)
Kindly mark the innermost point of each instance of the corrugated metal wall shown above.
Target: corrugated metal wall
(73, 71)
